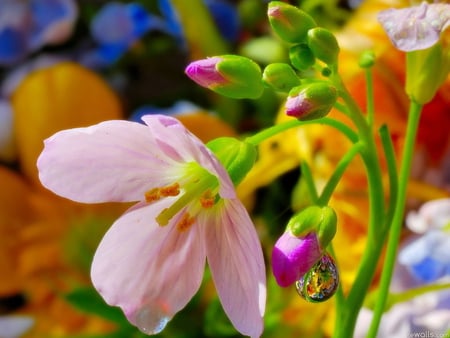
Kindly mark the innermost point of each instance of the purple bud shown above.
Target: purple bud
(293, 256)
(204, 72)
(311, 101)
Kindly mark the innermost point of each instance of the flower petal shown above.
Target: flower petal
(415, 28)
(151, 272)
(181, 145)
(111, 161)
(237, 265)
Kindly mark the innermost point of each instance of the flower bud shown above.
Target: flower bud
(367, 59)
(236, 156)
(307, 235)
(301, 56)
(323, 44)
(281, 77)
(311, 101)
(229, 75)
(294, 256)
(289, 22)
(321, 220)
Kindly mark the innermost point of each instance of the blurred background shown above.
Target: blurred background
(72, 63)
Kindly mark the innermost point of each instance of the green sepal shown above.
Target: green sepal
(236, 156)
(244, 77)
(301, 56)
(426, 71)
(290, 23)
(281, 77)
(321, 220)
(323, 44)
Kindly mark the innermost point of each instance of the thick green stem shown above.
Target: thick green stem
(397, 220)
(346, 318)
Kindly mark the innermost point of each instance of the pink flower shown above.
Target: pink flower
(416, 28)
(151, 261)
(293, 256)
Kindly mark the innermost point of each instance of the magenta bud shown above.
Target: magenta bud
(204, 72)
(293, 256)
(311, 101)
(229, 75)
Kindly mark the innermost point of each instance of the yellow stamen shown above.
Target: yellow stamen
(185, 222)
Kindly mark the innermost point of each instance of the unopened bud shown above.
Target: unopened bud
(311, 101)
(229, 75)
(323, 44)
(281, 77)
(301, 56)
(290, 23)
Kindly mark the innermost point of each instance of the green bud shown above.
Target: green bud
(301, 56)
(229, 75)
(236, 156)
(327, 227)
(367, 59)
(311, 101)
(290, 23)
(427, 70)
(320, 220)
(281, 77)
(323, 44)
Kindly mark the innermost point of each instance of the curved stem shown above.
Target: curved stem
(346, 320)
(278, 128)
(397, 220)
(337, 174)
(389, 153)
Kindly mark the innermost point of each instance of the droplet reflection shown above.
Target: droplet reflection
(321, 282)
(151, 319)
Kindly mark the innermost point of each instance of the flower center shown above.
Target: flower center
(196, 189)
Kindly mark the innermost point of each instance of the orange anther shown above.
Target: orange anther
(207, 200)
(170, 190)
(185, 222)
(152, 195)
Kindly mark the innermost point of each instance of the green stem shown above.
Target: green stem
(308, 177)
(278, 128)
(337, 174)
(369, 96)
(397, 220)
(389, 154)
(346, 318)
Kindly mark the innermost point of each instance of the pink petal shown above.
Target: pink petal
(151, 272)
(415, 28)
(111, 161)
(180, 144)
(236, 260)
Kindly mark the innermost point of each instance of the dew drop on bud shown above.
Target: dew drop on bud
(319, 283)
(152, 319)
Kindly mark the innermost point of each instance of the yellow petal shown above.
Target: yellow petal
(63, 96)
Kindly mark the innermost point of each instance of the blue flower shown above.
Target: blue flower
(427, 257)
(26, 26)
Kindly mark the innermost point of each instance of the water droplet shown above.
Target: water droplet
(321, 282)
(152, 319)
